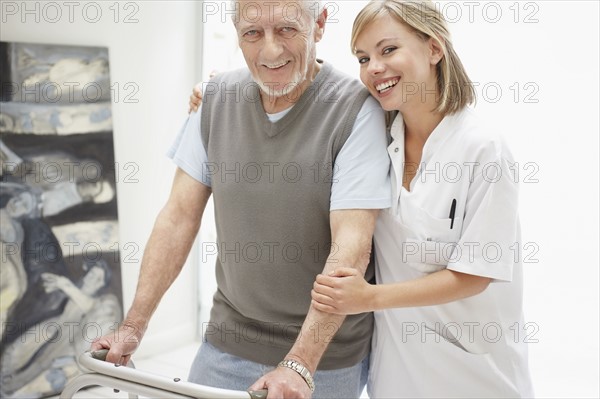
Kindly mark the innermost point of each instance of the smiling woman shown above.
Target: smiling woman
(408, 64)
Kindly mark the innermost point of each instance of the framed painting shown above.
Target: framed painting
(60, 272)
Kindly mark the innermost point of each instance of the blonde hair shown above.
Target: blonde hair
(454, 86)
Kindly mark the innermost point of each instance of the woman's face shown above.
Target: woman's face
(396, 65)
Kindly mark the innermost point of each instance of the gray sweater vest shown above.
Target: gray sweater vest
(271, 186)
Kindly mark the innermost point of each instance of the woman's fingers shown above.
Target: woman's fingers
(323, 308)
(343, 272)
(322, 298)
(324, 288)
(197, 92)
(326, 280)
(195, 98)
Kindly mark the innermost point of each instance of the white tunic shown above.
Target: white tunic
(475, 347)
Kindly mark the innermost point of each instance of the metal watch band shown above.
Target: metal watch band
(300, 369)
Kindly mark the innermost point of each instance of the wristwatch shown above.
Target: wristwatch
(300, 369)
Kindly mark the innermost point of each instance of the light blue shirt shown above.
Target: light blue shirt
(356, 184)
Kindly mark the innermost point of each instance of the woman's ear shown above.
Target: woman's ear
(436, 50)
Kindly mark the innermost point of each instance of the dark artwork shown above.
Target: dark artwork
(60, 284)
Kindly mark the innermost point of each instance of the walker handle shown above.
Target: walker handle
(101, 355)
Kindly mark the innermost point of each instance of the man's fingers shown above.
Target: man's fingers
(99, 343)
(125, 360)
(118, 352)
(114, 355)
(274, 394)
(258, 385)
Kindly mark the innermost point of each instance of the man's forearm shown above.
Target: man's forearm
(352, 233)
(167, 249)
(317, 331)
(169, 245)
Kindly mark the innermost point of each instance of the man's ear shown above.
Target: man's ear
(321, 22)
(436, 51)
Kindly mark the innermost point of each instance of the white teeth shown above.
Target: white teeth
(276, 66)
(390, 83)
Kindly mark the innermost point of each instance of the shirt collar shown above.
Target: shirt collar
(439, 135)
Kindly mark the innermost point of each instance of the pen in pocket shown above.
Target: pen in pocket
(452, 212)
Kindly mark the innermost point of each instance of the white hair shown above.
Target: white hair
(313, 8)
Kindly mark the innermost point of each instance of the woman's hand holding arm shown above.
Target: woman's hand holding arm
(344, 291)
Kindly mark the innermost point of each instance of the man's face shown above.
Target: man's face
(278, 41)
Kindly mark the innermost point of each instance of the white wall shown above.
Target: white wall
(550, 49)
(158, 53)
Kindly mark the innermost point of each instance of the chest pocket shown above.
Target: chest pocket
(430, 242)
(427, 256)
(425, 226)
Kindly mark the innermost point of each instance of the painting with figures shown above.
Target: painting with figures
(60, 272)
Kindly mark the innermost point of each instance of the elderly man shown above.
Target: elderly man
(295, 155)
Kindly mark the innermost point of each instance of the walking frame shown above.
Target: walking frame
(137, 382)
